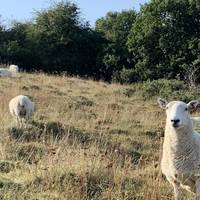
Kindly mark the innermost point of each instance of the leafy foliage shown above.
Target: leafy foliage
(165, 38)
(115, 27)
(125, 76)
(170, 89)
(56, 41)
(160, 41)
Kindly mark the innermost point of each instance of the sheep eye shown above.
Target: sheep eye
(186, 109)
(167, 107)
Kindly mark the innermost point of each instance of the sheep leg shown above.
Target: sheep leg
(26, 120)
(20, 123)
(177, 190)
(197, 184)
(17, 121)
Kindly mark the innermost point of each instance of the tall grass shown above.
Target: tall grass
(87, 140)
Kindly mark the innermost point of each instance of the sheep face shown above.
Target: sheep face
(178, 113)
(14, 68)
(22, 111)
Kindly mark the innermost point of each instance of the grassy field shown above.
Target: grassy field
(87, 140)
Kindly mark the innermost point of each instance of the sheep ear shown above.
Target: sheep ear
(162, 103)
(192, 105)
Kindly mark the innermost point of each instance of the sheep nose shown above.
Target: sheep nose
(175, 122)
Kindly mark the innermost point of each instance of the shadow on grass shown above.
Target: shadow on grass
(45, 131)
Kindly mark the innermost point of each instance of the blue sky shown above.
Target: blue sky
(90, 9)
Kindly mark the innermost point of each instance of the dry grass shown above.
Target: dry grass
(87, 140)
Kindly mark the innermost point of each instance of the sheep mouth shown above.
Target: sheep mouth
(22, 113)
(176, 125)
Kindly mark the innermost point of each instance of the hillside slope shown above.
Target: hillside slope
(87, 140)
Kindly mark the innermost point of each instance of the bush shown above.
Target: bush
(164, 88)
(170, 89)
(125, 76)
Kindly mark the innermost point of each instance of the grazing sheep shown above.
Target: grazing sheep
(5, 72)
(12, 71)
(14, 68)
(181, 148)
(22, 108)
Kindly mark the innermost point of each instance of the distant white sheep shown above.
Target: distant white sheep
(12, 71)
(14, 68)
(5, 72)
(181, 148)
(22, 108)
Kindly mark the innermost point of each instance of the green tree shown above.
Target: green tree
(64, 42)
(115, 28)
(17, 44)
(2, 41)
(56, 41)
(165, 38)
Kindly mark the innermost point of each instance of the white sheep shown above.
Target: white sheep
(14, 68)
(12, 71)
(181, 148)
(22, 108)
(5, 72)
